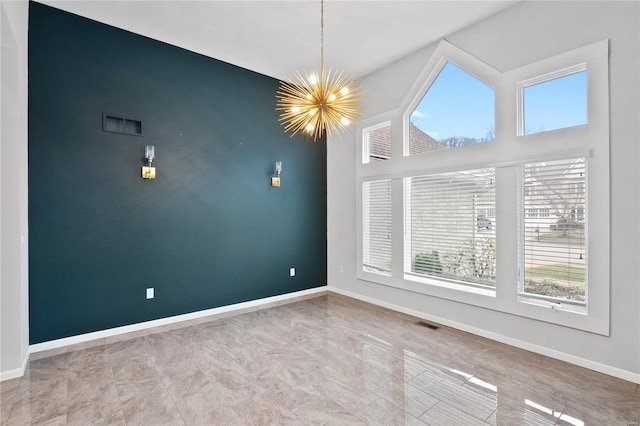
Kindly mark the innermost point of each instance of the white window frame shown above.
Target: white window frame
(553, 75)
(366, 253)
(366, 144)
(540, 300)
(509, 149)
(445, 282)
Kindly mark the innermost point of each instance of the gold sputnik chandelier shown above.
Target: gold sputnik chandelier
(318, 102)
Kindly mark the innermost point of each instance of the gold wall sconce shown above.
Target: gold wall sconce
(149, 172)
(275, 180)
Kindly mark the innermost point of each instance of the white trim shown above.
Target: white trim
(446, 52)
(552, 75)
(366, 144)
(542, 350)
(421, 171)
(505, 153)
(59, 343)
(16, 372)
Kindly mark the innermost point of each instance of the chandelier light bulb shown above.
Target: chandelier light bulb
(313, 79)
(345, 121)
(295, 109)
(344, 91)
(332, 97)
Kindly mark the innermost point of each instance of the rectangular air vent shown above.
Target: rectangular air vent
(428, 325)
(126, 126)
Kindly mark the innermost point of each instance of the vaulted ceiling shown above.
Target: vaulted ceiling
(277, 37)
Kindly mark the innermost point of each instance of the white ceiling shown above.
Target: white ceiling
(277, 37)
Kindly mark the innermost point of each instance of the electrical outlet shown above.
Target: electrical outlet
(150, 293)
(292, 272)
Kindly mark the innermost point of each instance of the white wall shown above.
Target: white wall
(14, 316)
(522, 34)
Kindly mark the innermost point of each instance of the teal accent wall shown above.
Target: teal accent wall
(209, 231)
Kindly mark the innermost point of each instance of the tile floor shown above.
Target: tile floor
(324, 360)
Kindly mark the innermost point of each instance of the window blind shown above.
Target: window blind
(450, 226)
(554, 229)
(376, 226)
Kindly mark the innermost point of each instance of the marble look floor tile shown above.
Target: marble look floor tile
(89, 365)
(184, 378)
(99, 406)
(86, 345)
(587, 379)
(383, 412)
(89, 381)
(48, 353)
(121, 337)
(263, 408)
(152, 406)
(39, 400)
(159, 329)
(327, 359)
(216, 335)
(414, 364)
(231, 380)
(414, 401)
(26, 420)
(49, 367)
(300, 360)
(80, 358)
(453, 393)
(127, 349)
(443, 414)
(342, 363)
(217, 320)
(346, 340)
(253, 362)
(164, 348)
(140, 369)
(190, 338)
(312, 407)
(207, 408)
(212, 356)
(531, 414)
(280, 380)
(351, 393)
(8, 390)
(496, 366)
(593, 411)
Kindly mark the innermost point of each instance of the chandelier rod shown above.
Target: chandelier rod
(322, 36)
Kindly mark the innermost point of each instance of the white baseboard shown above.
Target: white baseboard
(81, 338)
(572, 359)
(16, 372)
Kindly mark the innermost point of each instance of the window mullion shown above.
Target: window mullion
(506, 233)
(397, 228)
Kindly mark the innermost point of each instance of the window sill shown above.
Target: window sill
(568, 316)
(451, 285)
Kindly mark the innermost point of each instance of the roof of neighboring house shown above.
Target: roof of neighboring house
(419, 142)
